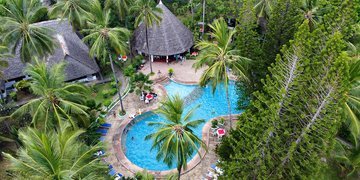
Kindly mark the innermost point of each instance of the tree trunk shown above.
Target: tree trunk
(148, 49)
(192, 11)
(117, 83)
(203, 18)
(229, 105)
(179, 172)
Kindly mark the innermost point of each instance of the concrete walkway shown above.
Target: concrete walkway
(183, 72)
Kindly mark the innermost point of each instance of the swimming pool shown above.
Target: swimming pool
(138, 151)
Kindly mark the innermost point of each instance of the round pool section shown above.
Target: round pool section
(139, 152)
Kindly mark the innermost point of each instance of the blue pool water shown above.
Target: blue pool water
(138, 151)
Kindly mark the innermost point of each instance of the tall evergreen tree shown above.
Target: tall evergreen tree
(286, 17)
(247, 40)
(292, 123)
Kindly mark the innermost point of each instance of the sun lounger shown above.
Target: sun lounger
(102, 131)
(106, 125)
(102, 139)
(112, 172)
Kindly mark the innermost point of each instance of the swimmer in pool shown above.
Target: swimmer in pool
(132, 138)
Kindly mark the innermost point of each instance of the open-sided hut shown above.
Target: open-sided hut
(169, 37)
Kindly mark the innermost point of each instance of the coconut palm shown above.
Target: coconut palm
(352, 105)
(149, 15)
(75, 11)
(348, 158)
(310, 10)
(21, 34)
(54, 155)
(122, 6)
(220, 57)
(56, 100)
(104, 39)
(174, 139)
(263, 9)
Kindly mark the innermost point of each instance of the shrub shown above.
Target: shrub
(113, 84)
(13, 95)
(107, 102)
(113, 91)
(214, 123)
(171, 72)
(105, 93)
(129, 71)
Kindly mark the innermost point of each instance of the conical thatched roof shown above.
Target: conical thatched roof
(168, 38)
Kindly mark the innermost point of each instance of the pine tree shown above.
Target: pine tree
(285, 18)
(248, 42)
(291, 123)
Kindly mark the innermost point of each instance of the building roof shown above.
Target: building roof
(168, 38)
(70, 48)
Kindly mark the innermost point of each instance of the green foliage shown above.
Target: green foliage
(105, 93)
(13, 95)
(219, 58)
(22, 85)
(56, 100)
(60, 155)
(291, 123)
(113, 91)
(144, 175)
(174, 139)
(18, 29)
(101, 38)
(214, 123)
(247, 40)
(129, 71)
(139, 83)
(171, 71)
(75, 11)
(286, 17)
(348, 158)
(107, 102)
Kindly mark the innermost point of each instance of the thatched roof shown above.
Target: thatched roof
(168, 38)
(69, 48)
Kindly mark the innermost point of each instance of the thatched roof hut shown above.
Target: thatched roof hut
(167, 38)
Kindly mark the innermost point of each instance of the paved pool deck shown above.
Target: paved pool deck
(183, 73)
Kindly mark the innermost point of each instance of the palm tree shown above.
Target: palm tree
(21, 34)
(348, 158)
(263, 10)
(174, 139)
(56, 155)
(310, 10)
(104, 39)
(352, 105)
(56, 101)
(148, 15)
(220, 57)
(122, 6)
(75, 11)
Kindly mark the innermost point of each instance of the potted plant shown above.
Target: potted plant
(171, 72)
(214, 124)
(221, 122)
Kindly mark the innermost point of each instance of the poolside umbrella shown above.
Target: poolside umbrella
(221, 132)
(149, 96)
